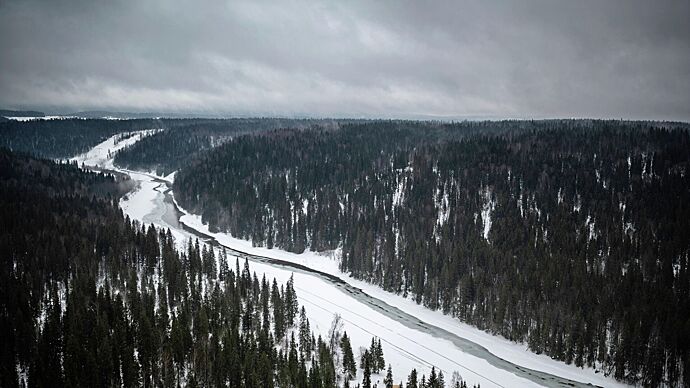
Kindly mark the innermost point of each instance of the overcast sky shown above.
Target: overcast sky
(584, 58)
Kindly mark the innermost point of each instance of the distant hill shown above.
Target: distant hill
(20, 113)
(98, 114)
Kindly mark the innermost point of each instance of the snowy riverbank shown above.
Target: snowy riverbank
(405, 345)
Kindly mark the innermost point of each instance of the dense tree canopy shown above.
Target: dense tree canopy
(571, 235)
(171, 150)
(64, 138)
(90, 299)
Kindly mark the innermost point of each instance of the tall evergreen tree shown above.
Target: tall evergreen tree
(291, 304)
(305, 341)
(388, 380)
(412, 379)
(366, 368)
(349, 366)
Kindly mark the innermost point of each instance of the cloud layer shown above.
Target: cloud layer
(624, 58)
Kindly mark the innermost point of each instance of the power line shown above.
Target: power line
(401, 335)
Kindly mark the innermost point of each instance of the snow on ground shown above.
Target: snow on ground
(404, 347)
(146, 204)
(488, 208)
(515, 353)
(29, 118)
(102, 154)
(143, 199)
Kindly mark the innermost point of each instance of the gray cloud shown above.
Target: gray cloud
(625, 58)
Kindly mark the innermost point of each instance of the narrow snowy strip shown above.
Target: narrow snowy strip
(102, 155)
(29, 118)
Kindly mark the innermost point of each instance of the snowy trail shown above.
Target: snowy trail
(412, 336)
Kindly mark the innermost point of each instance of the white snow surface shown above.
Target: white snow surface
(395, 333)
(58, 117)
(102, 155)
(404, 348)
(29, 118)
(488, 208)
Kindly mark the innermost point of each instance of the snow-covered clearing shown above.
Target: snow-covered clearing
(405, 346)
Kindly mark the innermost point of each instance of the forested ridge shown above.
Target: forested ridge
(167, 151)
(89, 298)
(570, 235)
(173, 149)
(64, 138)
(20, 113)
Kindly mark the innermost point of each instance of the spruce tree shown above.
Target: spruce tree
(305, 342)
(371, 355)
(349, 366)
(278, 311)
(366, 380)
(291, 303)
(380, 362)
(388, 380)
(412, 379)
(433, 379)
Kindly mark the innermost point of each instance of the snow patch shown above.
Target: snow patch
(487, 209)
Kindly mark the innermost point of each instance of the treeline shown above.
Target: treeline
(20, 113)
(570, 235)
(167, 151)
(90, 298)
(64, 138)
(251, 171)
(171, 150)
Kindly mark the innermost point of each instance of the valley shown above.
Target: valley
(413, 336)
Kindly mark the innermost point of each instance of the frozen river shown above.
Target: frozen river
(412, 336)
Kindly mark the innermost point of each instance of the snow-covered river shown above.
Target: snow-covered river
(411, 335)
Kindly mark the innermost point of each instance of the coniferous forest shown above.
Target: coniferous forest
(570, 235)
(89, 298)
(345, 194)
(64, 138)
(170, 150)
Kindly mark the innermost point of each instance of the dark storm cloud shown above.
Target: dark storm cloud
(402, 59)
